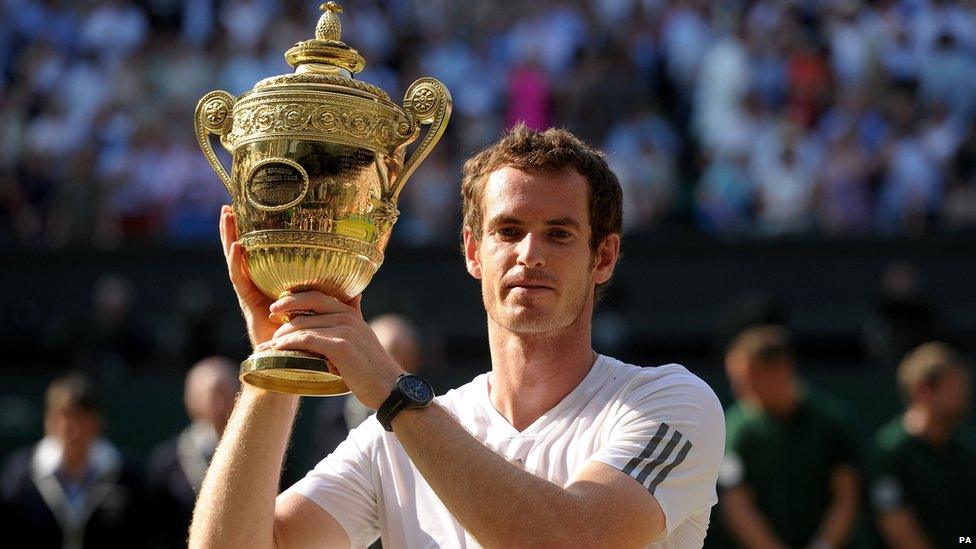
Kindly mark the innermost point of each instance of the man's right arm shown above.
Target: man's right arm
(901, 530)
(237, 503)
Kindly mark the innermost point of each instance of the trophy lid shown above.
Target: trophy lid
(325, 59)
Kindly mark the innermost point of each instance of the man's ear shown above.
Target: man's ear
(606, 258)
(471, 259)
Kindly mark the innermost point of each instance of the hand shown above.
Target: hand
(337, 331)
(254, 303)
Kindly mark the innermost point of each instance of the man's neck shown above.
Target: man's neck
(75, 467)
(920, 422)
(532, 373)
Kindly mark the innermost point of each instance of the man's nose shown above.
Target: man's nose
(530, 252)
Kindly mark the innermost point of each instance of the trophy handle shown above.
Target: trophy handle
(213, 116)
(428, 102)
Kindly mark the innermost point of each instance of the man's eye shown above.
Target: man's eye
(560, 234)
(507, 232)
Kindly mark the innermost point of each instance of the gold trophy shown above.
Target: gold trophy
(318, 164)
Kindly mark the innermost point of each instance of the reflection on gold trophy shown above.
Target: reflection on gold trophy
(318, 164)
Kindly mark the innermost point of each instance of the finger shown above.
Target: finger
(309, 301)
(228, 229)
(233, 223)
(311, 322)
(222, 229)
(356, 303)
(309, 342)
(263, 346)
(237, 267)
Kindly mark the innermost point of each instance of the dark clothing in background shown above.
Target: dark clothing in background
(173, 478)
(936, 483)
(787, 463)
(34, 507)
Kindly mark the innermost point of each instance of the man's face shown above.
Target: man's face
(534, 260)
(768, 380)
(75, 427)
(951, 395)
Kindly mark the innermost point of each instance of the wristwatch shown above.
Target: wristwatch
(409, 391)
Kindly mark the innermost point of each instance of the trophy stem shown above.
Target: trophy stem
(292, 372)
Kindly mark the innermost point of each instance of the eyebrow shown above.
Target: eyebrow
(558, 222)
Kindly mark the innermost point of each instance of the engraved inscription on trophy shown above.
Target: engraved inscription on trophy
(276, 184)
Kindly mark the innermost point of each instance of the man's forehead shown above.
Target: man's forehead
(563, 189)
(512, 174)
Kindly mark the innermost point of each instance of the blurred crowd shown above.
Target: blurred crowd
(734, 118)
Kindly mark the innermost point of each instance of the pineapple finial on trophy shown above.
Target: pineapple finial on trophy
(328, 27)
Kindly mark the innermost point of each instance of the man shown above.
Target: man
(925, 476)
(176, 467)
(556, 446)
(73, 489)
(789, 478)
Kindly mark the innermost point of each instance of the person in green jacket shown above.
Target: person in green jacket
(923, 489)
(790, 476)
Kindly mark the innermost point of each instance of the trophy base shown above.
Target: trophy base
(292, 372)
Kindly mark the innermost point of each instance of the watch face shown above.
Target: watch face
(415, 389)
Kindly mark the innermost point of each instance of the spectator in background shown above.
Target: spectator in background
(924, 475)
(784, 164)
(960, 203)
(912, 187)
(843, 201)
(73, 489)
(176, 467)
(904, 315)
(529, 97)
(790, 477)
(337, 416)
(725, 196)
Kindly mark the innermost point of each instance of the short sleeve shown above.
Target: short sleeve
(342, 484)
(887, 492)
(733, 472)
(670, 438)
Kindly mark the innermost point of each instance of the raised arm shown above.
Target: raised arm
(236, 506)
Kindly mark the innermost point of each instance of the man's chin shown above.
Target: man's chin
(526, 320)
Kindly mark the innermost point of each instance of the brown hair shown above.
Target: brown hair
(552, 150)
(766, 343)
(72, 390)
(925, 365)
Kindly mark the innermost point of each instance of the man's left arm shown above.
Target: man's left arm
(838, 521)
(837, 524)
(502, 505)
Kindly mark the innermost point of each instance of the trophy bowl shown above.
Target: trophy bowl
(318, 162)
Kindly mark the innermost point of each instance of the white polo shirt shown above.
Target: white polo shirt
(663, 426)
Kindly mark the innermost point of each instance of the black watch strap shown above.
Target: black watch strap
(397, 402)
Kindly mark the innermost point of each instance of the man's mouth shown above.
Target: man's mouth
(528, 286)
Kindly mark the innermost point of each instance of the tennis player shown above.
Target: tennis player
(556, 446)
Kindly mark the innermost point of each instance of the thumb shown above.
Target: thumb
(356, 303)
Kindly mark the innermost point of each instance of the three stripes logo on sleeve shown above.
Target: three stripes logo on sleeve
(662, 462)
